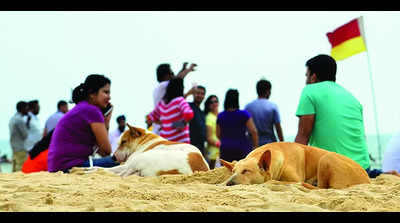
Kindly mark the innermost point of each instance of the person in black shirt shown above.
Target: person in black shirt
(197, 126)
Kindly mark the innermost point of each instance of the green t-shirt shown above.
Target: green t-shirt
(338, 125)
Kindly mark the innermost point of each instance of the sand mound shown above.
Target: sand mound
(199, 192)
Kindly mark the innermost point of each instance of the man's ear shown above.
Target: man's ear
(135, 132)
(227, 164)
(314, 78)
(265, 160)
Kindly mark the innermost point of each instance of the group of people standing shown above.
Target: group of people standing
(230, 134)
(25, 129)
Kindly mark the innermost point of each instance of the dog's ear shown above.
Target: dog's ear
(265, 160)
(227, 164)
(135, 132)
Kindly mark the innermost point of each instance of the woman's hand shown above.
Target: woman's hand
(107, 120)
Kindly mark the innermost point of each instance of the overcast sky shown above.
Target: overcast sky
(46, 54)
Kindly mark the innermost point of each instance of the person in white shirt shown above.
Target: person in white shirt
(18, 134)
(114, 135)
(164, 74)
(391, 156)
(35, 131)
(62, 108)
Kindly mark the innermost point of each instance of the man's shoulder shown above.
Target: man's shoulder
(251, 104)
(259, 103)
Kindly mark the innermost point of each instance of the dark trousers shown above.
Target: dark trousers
(373, 173)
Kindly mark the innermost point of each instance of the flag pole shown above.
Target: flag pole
(372, 91)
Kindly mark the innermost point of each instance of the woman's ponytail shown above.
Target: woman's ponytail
(79, 94)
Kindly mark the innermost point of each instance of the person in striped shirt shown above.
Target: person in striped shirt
(174, 113)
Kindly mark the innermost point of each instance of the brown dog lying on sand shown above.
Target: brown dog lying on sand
(294, 162)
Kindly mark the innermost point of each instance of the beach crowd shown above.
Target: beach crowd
(330, 117)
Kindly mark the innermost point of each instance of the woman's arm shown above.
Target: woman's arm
(210, 140)
(218, 131)
(100, 132)
(253, 132)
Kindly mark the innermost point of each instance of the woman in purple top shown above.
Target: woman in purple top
(232, 125)
(83, 128)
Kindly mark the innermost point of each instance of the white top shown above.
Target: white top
(391, 156)
(35, 132)
(114, 137)
(18, 132)
(53, 120)
(158, 94)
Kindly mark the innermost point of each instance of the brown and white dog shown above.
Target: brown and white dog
(147, 154)
(294, 162)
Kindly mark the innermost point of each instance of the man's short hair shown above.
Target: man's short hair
(163, 70)
(324, 66)
(21, 105)
(121, 118)
(61, 103)
(263, 86)
(33, 103)
(202, 87)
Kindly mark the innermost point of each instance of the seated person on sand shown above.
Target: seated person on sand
(83, 130)
(37, 157)
(330, 117)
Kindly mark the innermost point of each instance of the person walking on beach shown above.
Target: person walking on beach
(174, 113)
(35, 131)
(51, 122)
(83, 130)
(115, 135)
(265, 114)
(213, 143)
(330, 117)
(18, 134)
(197, 126)
(164, 75)
(232, 126)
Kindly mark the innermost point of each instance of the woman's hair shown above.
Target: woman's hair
(91, 85)
(231, 99)
(41, 145)
(174, 89)
(208, 103)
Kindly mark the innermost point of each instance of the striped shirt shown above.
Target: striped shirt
(176, 110)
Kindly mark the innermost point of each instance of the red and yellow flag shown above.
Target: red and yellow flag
(347, 40)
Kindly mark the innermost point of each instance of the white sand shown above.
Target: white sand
(200, 192)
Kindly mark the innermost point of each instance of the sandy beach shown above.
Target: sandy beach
(106, 192)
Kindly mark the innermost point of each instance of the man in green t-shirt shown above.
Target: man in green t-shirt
(330, 117)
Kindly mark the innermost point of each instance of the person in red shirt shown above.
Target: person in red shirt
(37, 157)
(174, 113)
